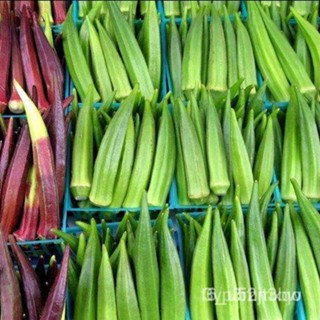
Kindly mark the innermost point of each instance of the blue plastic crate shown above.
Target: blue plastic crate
(57, 29)
(37, 248)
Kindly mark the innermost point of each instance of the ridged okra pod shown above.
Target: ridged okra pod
(291, 158)
(241, 271)
(223, 273)
(172, 292)
(216, 154)
(106, 304)
(201, 272)
(285, 273)
(144, 254)
(309, 278)
(108, 158)
(82, 151)
(217, 65)
(143, 162)
(194, 163)
(192, 55)
(266, 56)
(164, 161)
(241, 167)
(130, 51)
(259, 265)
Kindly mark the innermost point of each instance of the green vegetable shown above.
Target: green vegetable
(241, 271)
(259, 265)
(217, 65)
(285, 278)
(223, 273)
(106, 304)
(143, 162)
(309, 280)
(86, 299)
(131, 53)
(108, 158)
(83, 145)
(126, 298)
(201, 272)
(76, 61)
(172, 292)
(144, 253)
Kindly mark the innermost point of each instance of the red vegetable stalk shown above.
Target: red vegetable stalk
(13, 191)
(30, 281)
(55, 302)
(44, 166)
(19, 6)
(10, 291)
(59, 11)
(6, 153)
(5, 54)
(57, 133)
(30, 217)
(15, 103)
(30, 63)
(49, 61)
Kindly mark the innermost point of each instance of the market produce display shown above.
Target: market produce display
(123, 152)
(49, 11)
(220, 148)
(219, 53)
(28, 57)
(33, 170)
(180, 8)
(206, 53)
(282, 65)
(170, 150)
(281, 9)
(135, 8)
(110, 54)
(109, 279)
(301, 147)
(243, 260)
(38, 293)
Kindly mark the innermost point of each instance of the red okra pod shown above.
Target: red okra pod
(56, 129)
(15, 103)
(30, 217)
(11, 305)
(50, 65)
(19, 5)
(5, 55)
(30, 61)
(30, 281)
(59, 11)
(13, 191)
(55, 302)
(6, 153)
(44, 165)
